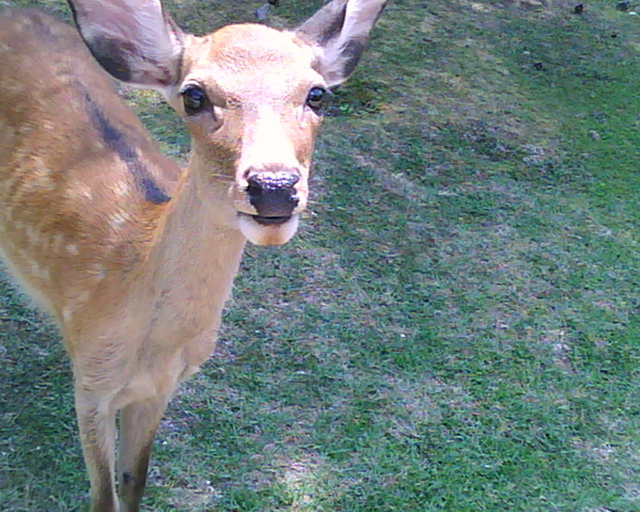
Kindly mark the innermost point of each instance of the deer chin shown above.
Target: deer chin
(268, 230)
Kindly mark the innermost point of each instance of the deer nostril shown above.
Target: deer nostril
(273, 194)
(258, 183)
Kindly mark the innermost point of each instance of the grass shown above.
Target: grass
(454, 329)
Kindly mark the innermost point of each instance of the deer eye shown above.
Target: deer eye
(194, 98)
(315, 97)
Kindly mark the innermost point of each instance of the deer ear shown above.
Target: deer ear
(340, 31)
(134, 40)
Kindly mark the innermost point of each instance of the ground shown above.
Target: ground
(453, 329)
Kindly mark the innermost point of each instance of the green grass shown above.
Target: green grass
(454, 329)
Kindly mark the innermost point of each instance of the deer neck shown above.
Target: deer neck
(196, 254)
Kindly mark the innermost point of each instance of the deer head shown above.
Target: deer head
(252, 97)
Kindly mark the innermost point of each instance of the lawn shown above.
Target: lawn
(453, 329)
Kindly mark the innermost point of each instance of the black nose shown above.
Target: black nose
(273, 194)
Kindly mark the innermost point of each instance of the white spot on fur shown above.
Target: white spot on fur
(38, 271)
(72, 249)
(82, 298)
(121, 188)
(58, 240)
(32, 235)
(99, 273)
(43, 174)
(118, 219)
(80, 191)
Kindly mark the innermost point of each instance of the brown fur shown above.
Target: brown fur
(134, 257)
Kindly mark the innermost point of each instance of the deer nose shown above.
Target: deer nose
(272, 194)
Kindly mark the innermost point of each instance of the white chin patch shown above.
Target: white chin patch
(276, 234)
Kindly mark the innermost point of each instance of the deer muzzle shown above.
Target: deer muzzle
(273, 195)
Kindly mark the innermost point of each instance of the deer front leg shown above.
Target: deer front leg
(139, 420)
(138, 427)
(96, 421)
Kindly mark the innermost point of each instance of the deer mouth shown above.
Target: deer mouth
(267, 220)
(263, 230)
(270, 221)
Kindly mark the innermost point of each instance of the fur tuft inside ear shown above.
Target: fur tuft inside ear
(340, 31)
(134, 40)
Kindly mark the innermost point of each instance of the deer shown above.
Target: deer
(133, 256)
